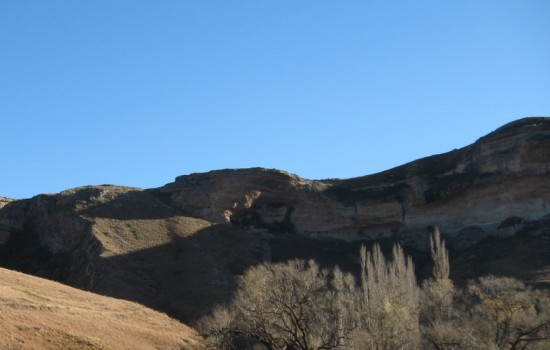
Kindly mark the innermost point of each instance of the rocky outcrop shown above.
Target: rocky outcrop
(254, 197)
(50, 227)
(469, 193)
(4, 227)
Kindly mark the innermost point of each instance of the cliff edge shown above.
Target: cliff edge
(490, 188)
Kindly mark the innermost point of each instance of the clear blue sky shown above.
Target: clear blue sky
(138, 92)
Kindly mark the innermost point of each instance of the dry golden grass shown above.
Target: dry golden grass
(127, 236)
(40, 314)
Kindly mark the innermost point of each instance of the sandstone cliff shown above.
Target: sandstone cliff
(491, 187)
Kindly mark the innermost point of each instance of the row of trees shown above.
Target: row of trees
(297, 305)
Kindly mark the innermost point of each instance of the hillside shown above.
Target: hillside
(41, 314)
(125, 242)
(179, 248)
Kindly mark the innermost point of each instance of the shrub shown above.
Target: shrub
(297, 305)
(294, 305)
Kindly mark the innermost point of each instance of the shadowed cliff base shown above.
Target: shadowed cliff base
(189, 276)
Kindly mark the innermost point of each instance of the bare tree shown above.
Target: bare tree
(508, 314)
(440, 256)
(388, 302)
(442, 326)
(294, 305)
(437, 293)
(299, 306)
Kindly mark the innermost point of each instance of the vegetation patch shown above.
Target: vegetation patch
(134, 231)
(298, 305)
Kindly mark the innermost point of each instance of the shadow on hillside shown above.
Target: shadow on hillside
(23, 253)
(186, 278)
(189, 277)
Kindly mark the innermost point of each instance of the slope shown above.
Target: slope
(41, 314)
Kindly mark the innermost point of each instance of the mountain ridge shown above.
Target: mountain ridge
(180, 248)
(401, 201)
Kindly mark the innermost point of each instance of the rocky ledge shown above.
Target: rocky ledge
(497, 186)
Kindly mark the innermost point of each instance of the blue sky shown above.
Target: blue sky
(138, 92)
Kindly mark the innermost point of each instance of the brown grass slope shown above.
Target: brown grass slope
(39, 314)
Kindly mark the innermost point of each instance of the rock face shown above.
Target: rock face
(492, 187)
(180, 247)
(5, 221)
(51, 230)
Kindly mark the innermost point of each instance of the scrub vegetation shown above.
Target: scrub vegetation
(298, 305)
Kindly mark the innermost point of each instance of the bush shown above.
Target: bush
(507, 314)
(296, 305)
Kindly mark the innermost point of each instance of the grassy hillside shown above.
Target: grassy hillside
(41, 314)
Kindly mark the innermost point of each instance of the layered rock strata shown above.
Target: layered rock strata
(488, 188)
(495, 186)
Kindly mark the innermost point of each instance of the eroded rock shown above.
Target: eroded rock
(503, 174)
